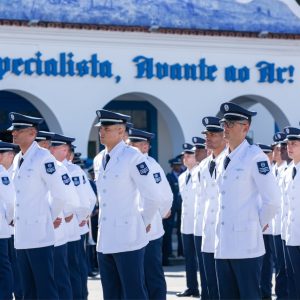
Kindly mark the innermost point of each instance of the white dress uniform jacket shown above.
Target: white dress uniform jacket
(91, 199)
(121, 224)
(10, 173)
(7, 201)
(293, 197)
(249, 198)
(199, 203)
(86, 195)
(71, 206)
(270, 228)
(279, 172)
(80, 198)
(166, 198)
(209, 195)
(33, 180)
(97, 162)
(188, 194)
(284, 201)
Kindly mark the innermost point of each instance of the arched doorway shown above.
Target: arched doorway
(270, 117)
(24, 103)
(151, 114)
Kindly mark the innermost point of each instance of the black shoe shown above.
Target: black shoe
(188, 293)
(92, 274)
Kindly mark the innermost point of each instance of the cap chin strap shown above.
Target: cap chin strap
(214, 126)
(236, 115)
(111, 120)
(22, 124)
(137, 138)
(59, 142)
(293, 136)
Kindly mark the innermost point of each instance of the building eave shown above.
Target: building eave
(172, 31)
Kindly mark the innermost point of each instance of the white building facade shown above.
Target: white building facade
(67, 74)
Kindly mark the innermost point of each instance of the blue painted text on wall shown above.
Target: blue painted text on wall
(146, 68)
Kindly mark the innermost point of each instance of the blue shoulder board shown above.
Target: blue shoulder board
(5, 180)
(50, 167)
(157, 177)
(76, 180)
(66, 179)
(263, 167)
(143, 168)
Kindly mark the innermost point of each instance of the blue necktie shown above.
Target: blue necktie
(187, 178)
(226, 162)
(212, 166)
(20, 162)
(294, 172)
(107, 158)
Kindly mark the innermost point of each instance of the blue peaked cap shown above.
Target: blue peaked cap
(5, 147)
(212, 124)
(198, 142)
(292, 133)
(20, 121)
(59, 139)
(44, 136)
(188, 148)
(137, 135)
(279, 138)
(176, 160)
(107, 117)
(265, 148)
(234, 112)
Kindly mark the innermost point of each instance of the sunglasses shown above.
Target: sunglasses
(230, 123)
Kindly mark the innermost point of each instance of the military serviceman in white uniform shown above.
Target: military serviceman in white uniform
(200, 155)
(88, 194)
(188, 188)
(248, 200)
(61, 268)
(269, 257)
(280, 166)
(200, 148)
(97, 159)
(34, 175)
(292, 192)
(124, 176)
(208, 194)
(154, 273)
(175, 218)
(60, 149)
(7, 155)
(7, 199)
(291, 285)
(44, 139)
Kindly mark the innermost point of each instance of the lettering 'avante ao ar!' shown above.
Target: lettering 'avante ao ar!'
(146, 68)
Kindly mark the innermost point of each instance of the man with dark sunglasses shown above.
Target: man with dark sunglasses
(248, 200)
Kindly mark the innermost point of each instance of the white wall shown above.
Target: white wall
(73, 101)
(262, 126)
